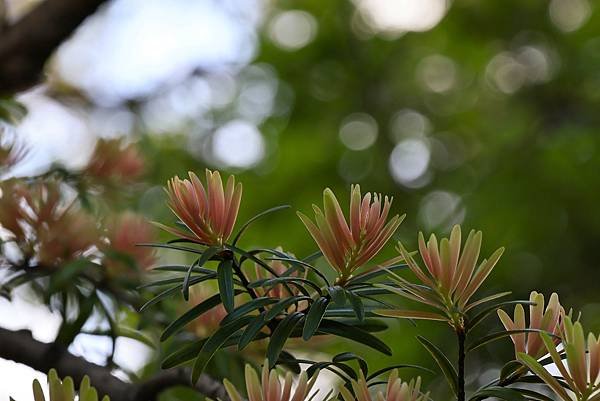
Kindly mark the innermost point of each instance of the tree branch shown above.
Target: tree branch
(21, 347)
(26, 45)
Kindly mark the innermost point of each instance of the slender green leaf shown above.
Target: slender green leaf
(354, 333)
(410, 314)
(478, 318)
(214, 343)
(534, 395)
(347, 371)
(357, 305)
(503, 393)
(206, 256)
(281, 334)
(399, 366)
(314, 317)
(374, 273)
(175, 280)
(498, 335)
(283, 305)
(225, 280)
(251, 330)
(289, 361)
(442, 362)
(349, 312)
(253, 219)
(543, 374)
(487, 299)
(191, 314)
(171, 247)
(509, 369)
(350, 356)
(338, 295)
(183, 354)
(247, 307)
(296, 280)
(182, 269)
(302, 264)
(168, 292)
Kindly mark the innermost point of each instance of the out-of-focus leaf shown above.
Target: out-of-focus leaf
(410, 314)
(443, 363)
(399, 366)
(338, 295)
(350, 356)
(225, 280)
(281, 334)
(503, 393)
(356, 304)
(353, 333)
(247, 308)
(314, 317)
(67, 274)
(38, 393)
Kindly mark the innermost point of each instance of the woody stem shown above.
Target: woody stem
(461, 336)
(238, 271)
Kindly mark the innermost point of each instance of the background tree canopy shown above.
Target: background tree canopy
(478, 113)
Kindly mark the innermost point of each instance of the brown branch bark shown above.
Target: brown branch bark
(21, 347)
(26, 45)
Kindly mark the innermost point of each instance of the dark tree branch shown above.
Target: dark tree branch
(21, 347)
(26, 45)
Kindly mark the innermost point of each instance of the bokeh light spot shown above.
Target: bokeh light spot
(440, 210)
(358, 131)
(437, 73)
(409, 161)
(569, 15)
(397, 16)
(238, 144)
(292, 29)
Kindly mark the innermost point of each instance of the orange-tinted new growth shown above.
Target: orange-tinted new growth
(278, 290)
(396, 390)
(11, 153)
(550, 320)
(348, 247)
(582, 370)
(270, 388)
(42, 226)
(209, 214)
(124, 233)
(452, 273)
(114, 160)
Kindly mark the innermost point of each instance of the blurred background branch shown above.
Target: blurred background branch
(26, 45)
(21, 347)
